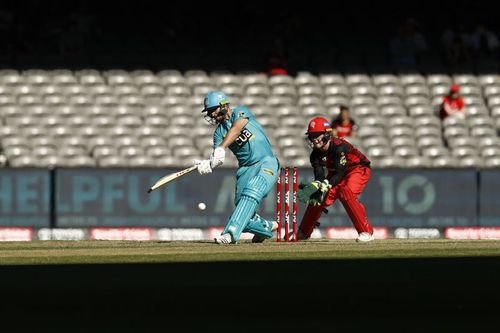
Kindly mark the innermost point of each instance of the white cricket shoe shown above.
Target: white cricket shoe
(275, 226)
(224, 239)
(259, 239)
(364, 237)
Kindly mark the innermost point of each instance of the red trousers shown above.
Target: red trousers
(347, 191)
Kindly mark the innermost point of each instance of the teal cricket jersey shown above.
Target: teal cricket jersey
(252, 144)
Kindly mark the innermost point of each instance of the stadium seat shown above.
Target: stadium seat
(442, 161)
(435, 152)
(426, 121)
(470, 162)
(102, 151)
(357, 79)
(306, 79)
(417, 90)
(489, 152)
(53, 161)
(461, 152)
(438, 79)
(111, 161)
(390, 90)
(281, 80)
(465, 79)
(418, 162)
(483, 132)
(335, 101)
(376, 141)
(389, 111)
(455, 131)
(282, 100)
(492, 162)
(383, 101)
(13, 152)
(130, 151)
(402, 141)
(336, 90)
(405, 152)
(311, 111)
(400, 131)
(331, 79)
(24, 161)
(310, 90)
(309, 100)
(257, 90)
(411, 79)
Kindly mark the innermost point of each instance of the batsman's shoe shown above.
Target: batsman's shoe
(364, 237)
(259, 238)
(224, 239)
(275, 226)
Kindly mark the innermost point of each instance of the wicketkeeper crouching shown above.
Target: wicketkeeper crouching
(348, 172)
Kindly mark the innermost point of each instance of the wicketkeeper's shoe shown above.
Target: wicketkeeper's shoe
(259, 239)
(300, 236)
(224, 239)
(364, 237)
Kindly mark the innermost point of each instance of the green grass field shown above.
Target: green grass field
(102, 252)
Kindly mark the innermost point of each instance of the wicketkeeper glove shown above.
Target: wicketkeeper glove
(325, 186)
(313, 193)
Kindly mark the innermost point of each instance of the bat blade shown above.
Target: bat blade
(168, 178)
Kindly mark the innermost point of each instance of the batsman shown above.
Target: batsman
(348, 172)
(238, 130)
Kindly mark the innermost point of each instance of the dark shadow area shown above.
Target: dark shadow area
(379, 37)
(407, 294)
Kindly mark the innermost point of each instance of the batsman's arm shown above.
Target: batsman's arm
(233, 132)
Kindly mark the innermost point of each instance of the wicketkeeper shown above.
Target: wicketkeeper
(348, 172)
(238, 130)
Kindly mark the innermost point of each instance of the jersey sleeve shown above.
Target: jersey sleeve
(240, 113)
(340, 163)
(217, 138)
(319, 171)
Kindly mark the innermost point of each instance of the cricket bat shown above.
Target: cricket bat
(170, 177)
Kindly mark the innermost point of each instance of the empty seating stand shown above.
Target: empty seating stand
(91, 118)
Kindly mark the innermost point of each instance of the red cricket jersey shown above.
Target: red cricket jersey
(340, 159)
(456, 104)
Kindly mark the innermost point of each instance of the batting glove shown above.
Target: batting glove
(217, 157)
(203, 166)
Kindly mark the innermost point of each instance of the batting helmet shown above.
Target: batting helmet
(214, 99)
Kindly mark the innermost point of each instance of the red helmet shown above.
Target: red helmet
(319, 125)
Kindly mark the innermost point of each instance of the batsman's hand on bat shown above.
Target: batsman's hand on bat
(313, 193)
(217, 157)
(203, 166)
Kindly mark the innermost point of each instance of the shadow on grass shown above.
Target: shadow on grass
(281, 294)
